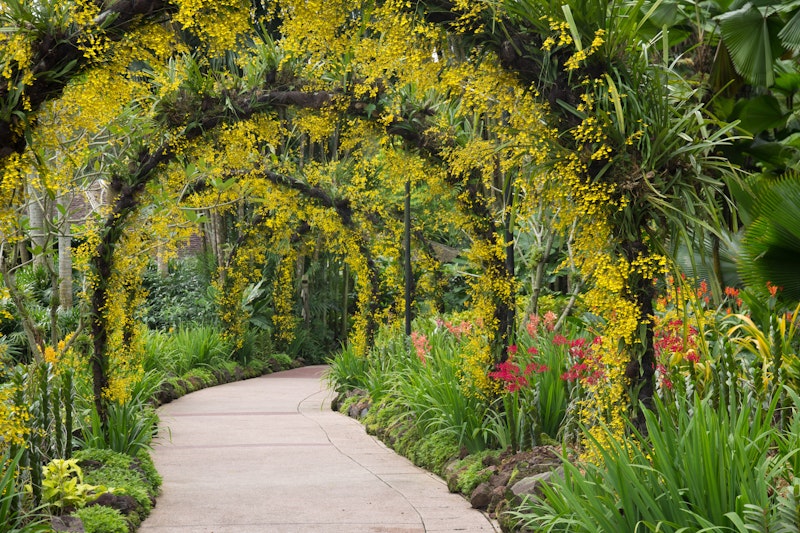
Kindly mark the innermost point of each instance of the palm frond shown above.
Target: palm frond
(771, 245)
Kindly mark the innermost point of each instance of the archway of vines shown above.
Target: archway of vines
(292, 127)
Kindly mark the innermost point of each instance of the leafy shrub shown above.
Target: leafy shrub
(347, 370)
(256, 345)
(433, 451)
(130, 429)
(160, 352)
(199, 346)
(181, 298)
(134, 476)
(282, 360)
(101, 519)
(63, 486)
(203, 374)
(472, 471)
(130, 474)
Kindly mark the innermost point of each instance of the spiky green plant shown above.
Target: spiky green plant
(703, 470)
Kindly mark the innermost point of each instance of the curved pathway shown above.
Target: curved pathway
(267, 455)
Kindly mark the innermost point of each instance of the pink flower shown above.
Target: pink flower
(550, 320)
(421, 345)
(533, 325)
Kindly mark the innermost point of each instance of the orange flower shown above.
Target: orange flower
(773, 289)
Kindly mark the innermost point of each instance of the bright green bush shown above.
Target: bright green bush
(432, 452)
(100, 519)
(472, 471)
(199, 346)
(63, 486)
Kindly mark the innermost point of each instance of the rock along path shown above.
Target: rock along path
(267, 455)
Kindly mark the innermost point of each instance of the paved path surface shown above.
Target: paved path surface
(267, 455)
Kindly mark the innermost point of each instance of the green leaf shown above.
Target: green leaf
(788, 82)
(790, 34)
(573, 28)
(752, 40)
(762, 113)
(771, 245)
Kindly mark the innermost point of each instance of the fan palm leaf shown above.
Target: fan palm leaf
(771, 245)
(751, 36)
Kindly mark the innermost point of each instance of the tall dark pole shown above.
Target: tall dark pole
(407, 246)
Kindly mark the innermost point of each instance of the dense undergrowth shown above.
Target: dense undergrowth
(717, 452)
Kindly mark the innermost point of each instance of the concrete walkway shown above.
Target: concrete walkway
(268, 455)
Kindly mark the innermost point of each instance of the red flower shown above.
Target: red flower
(509, 373)
(773, 289)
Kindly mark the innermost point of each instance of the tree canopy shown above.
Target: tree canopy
(288, 129)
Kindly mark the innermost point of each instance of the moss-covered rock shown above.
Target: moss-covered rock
(134, 480)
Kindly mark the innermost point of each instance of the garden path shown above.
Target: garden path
(269, 455)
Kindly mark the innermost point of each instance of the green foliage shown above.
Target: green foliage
(131, 427)
(432, 452)
(256, 344)
(63, 486)
(180, 299)
(101, 519)
(704, 469)
(471, 471)
(281, 360)
(198, 346)
(435, 394)
(771, 245)
(177, 352)
(203, 374)
(134, 476)
(14, 519)
(384, 415)
(347, 370)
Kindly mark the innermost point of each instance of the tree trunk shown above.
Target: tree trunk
(642, 365)
(65, 254)
(36, 222)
